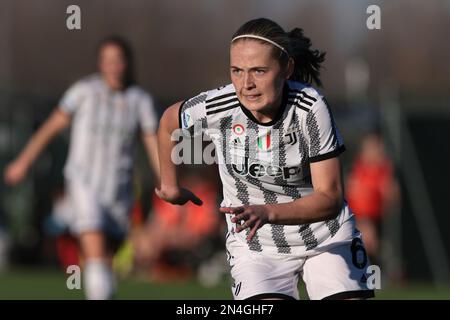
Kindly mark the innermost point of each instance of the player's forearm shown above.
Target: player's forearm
(151, 147)
(318, 206)
(154, 160)
(41, 139)
(168, 173)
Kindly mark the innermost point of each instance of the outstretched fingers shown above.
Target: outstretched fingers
(247, 219)
(252, 217)
(231, 210)
(253, 230)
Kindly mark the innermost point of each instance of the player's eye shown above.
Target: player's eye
(260, 71)
(236, 72)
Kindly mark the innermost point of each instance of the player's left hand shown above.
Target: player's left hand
(253, 217)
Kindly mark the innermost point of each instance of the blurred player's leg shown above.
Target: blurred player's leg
(98, 275)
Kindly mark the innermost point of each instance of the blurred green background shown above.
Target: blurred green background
(50, 284)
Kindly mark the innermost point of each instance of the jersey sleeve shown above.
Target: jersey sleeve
(147, 114)
(192, 114)
(73, 97)
(323, 137)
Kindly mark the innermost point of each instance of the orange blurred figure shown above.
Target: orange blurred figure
(372, 189)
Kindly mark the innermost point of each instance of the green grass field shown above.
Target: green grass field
(51, 284)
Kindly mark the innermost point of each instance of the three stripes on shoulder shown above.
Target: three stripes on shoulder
(229, 101)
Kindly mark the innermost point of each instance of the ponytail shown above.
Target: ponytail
(307, 61)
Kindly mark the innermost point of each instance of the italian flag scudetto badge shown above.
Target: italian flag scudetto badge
(264, 142)
(238, 129)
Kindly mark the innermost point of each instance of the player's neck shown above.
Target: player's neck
(264, 116)
(270, 112)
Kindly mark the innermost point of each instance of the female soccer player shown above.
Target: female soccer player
(278, 150)
(105, 110)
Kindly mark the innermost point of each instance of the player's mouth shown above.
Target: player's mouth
(252, 97)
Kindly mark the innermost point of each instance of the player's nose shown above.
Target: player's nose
(248, 80)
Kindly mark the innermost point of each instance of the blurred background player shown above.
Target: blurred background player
(371, 191)
(106, 111)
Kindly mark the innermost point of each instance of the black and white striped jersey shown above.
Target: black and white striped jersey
(268, 163)
(104, 127)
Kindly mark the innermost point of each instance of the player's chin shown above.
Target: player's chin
(255, 105)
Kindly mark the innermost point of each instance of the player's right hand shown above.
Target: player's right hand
(15, 172)
(178, 196)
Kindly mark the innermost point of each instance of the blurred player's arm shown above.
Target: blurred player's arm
(16, 171)
(170, 190)
(151, 147)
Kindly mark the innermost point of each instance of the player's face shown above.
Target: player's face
(112, 64)
(257, 77)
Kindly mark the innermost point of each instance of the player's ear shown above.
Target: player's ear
(290, 68)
